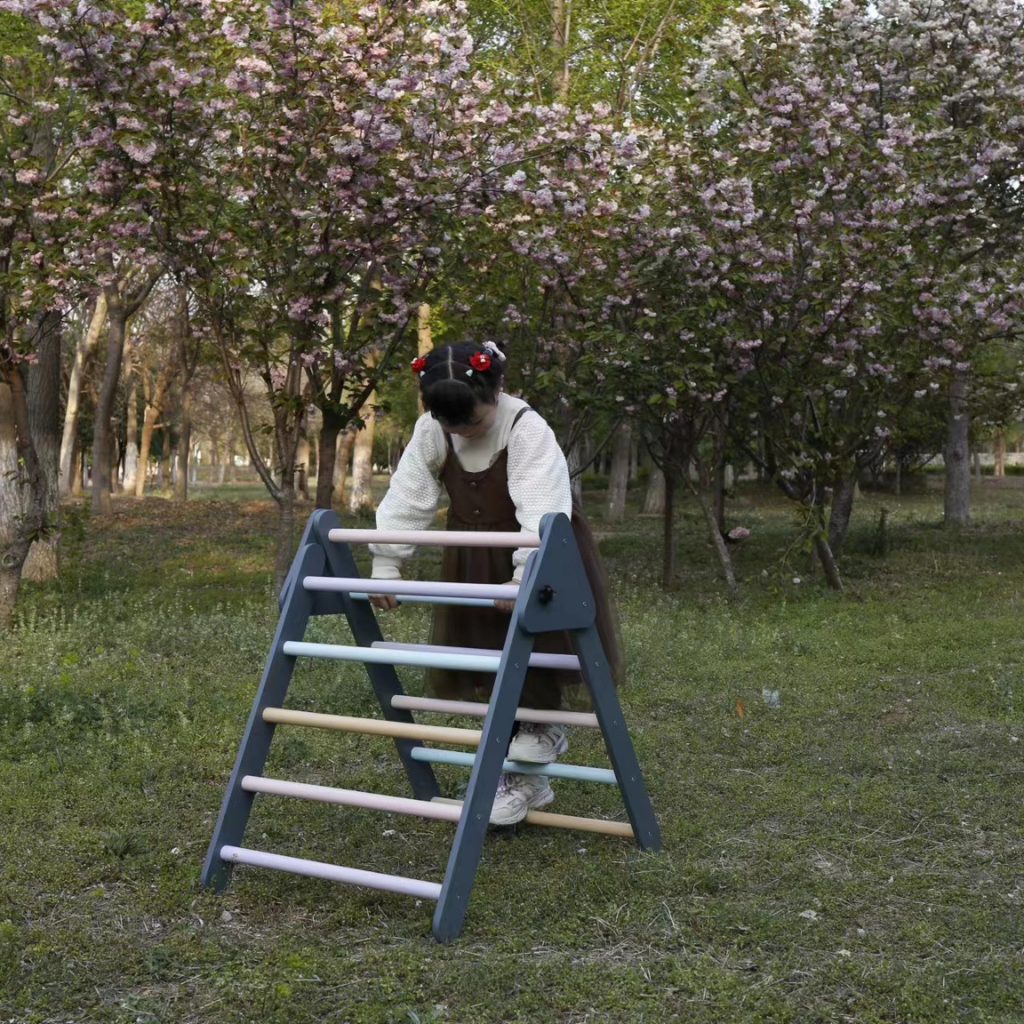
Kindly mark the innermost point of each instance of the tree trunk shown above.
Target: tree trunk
(155, 402)
(10, 510)
(999, 453)
(302, 468)
(618, 477)
(149, 418)
(361, 499)
(23, 498)
(285, 531)
(560, 47)
(424, 340)
(654, 497)
(828, 562)
(286, 435)
(45, 423)
(84, 352)
(184, 444)
(165, 471)
(668, 572)
(330, 428)
(342, 461)
(957, 496)
(718, 473)
(102, 470)
(78, 465)
(131, 449)
(844, 490)
(717, 542)
(574, 460)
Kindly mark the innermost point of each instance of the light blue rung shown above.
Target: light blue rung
(467, 602)
(377, 656)
(581, 773)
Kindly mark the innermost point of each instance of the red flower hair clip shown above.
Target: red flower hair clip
(418, 364)
(480, 361)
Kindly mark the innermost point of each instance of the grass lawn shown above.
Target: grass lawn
(838, 780)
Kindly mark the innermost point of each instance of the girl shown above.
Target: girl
(503, 470)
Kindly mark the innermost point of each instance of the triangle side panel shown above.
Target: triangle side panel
(483, 785)
(271, 692)
(597, 674)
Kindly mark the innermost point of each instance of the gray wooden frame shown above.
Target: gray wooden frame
(555, 595)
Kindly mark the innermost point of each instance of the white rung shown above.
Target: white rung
(349, 798)
(477, 710)
(414, 588)
(538, 659)
(374, 656)
(438, 538)
(332, 872)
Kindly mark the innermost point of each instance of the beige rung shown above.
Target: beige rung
(374, 727)
(548, 820)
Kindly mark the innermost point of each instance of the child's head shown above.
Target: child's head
(455, 380)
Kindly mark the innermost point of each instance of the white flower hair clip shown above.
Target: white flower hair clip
(495, 351)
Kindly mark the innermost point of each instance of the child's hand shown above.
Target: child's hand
(385, 602)
(507, 606)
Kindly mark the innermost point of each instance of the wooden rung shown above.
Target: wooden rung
(350, 798)
(465, 707)
(332, 872)
(548, 820)
(374, 727)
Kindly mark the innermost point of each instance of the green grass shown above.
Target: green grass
(852, 855)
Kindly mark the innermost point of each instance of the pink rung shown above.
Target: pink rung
(475, 710)
(415, 588)
(439, 538)
(349, 798)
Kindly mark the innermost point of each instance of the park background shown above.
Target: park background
(758, 265)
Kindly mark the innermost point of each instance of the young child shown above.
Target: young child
(503, 471)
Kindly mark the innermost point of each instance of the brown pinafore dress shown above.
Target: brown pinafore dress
(481, 501)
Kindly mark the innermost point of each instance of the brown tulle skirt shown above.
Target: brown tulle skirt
(486, 628)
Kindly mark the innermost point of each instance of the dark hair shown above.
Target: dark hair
(452, 388)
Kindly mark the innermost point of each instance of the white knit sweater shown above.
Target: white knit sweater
(538, 479)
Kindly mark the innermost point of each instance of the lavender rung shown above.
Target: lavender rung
(569, 662)
(476, 710)
(415, 588)
(332, 872)
(439, 538)
(348, 797)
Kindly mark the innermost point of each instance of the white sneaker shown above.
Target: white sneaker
(538, 744)
(517, 794)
